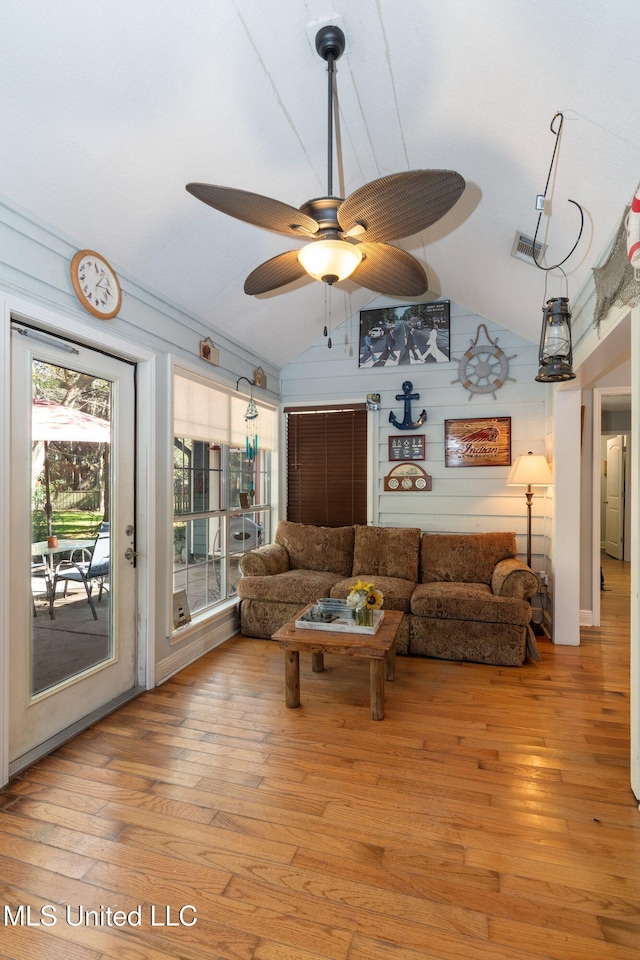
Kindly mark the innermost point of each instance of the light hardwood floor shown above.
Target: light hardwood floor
(487, 817)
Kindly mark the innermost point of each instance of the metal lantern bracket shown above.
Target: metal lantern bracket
(541, 199)
(252, 383)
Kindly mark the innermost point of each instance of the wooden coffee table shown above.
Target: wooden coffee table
(378, 648)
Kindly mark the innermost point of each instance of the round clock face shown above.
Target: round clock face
(95, 284)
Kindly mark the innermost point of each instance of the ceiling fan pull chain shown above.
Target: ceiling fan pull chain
(327, 313)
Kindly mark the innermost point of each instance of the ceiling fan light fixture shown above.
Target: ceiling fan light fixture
(344, 233)
(330, 260)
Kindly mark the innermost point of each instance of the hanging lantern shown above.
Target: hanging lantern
(555, 355)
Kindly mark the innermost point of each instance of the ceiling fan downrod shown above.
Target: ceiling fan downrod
(330, 44)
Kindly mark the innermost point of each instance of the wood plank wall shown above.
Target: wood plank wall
(463, 499)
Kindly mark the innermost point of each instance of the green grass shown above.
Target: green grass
(66, 524)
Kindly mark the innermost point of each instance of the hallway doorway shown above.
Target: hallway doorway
(611, 483)
(615, 593)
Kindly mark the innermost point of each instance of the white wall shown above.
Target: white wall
(34, 273)
(463, 499)
(598, 355)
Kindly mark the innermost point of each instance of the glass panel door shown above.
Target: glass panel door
(72, 587)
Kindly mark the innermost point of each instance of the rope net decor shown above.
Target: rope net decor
(615, 280)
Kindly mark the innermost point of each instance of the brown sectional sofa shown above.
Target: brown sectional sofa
(464, 596)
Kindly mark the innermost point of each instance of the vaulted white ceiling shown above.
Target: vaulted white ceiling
(108, 109)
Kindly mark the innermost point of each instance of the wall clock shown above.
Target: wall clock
(96, 284)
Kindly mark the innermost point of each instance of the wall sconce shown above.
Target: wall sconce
(555, 355)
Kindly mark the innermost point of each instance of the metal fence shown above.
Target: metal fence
(75, 499)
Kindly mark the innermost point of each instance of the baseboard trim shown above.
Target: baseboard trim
(43, 749)
(212, 635)
(586, 618)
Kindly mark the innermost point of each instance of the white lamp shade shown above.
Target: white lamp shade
(330, 260)
(530, 470)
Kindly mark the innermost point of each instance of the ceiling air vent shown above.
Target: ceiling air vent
(522, 248)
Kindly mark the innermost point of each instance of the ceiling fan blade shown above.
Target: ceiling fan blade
(401, 204)
(256, 209)
(274, 273)
(389, 270)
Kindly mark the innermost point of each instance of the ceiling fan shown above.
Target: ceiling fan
(348, 238)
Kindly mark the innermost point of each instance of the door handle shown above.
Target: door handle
(130, 554)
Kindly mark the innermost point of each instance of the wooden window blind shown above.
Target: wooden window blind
(327, 465)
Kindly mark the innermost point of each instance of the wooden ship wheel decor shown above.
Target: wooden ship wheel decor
(484, 368)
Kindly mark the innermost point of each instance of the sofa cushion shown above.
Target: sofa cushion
(294, 586)
(386, 552)
(463, 558)
(468, 601)
(396, 592)
(317, 548)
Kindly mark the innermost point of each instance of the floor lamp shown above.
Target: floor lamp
(530, 470)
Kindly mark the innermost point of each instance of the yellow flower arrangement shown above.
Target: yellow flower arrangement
(364, 595)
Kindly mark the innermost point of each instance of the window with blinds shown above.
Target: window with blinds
(222, 488)
(327, 465)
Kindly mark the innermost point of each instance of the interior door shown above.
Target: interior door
(73, 587)
(614, 507)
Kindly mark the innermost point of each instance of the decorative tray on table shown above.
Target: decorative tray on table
(337, 616)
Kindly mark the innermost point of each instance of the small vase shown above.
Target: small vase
(364, 616)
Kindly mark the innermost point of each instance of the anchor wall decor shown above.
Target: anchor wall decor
(407, 396)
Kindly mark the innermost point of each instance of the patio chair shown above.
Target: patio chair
(85, 571)
(40, 583)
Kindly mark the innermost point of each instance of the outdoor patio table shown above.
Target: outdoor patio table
(42, 549)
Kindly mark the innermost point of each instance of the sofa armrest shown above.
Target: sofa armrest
(513, 578)
(265, 561)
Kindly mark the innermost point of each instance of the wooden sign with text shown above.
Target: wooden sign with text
(478, 442)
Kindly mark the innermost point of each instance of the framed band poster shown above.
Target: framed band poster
(478, 442)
